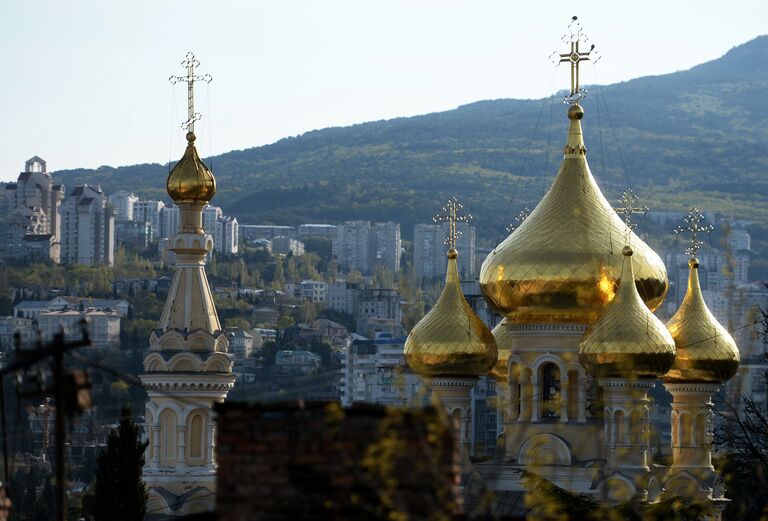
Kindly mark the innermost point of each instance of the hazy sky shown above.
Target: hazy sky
(85, 83)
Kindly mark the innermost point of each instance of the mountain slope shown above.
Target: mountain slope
(691, 137)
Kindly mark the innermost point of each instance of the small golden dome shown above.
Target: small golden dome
(191, 181)
(500, 370)
(627, 341)
(559, 265)
(451, 340)
(706, 352)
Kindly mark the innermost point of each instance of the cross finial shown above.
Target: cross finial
(451, 215)
(573, 37)
(694, 227)
(521, 216)
(628, 200)
(190, 63)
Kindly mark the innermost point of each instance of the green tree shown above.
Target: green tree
(119, 493)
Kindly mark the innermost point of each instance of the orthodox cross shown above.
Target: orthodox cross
(521, 216)
(694, 227)
(575, 56)
(628, 200)
(190, 63)
(451, 215)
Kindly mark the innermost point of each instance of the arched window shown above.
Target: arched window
(685, 430)
(196, 445)
(550, 390)
(701, 431)
(514, 391)
(620, 428)
(168, 438)
(635, 429)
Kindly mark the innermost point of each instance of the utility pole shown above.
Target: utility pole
(68, 387)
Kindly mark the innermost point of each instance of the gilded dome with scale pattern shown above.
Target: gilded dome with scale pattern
(706, 352)
(451, 340)
(191, 181)
(561, 265)
(627, 341)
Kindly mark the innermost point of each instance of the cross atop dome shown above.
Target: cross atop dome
(451, 215)
(694, 227)
(628, 200)
(575, 36)
(191, 63)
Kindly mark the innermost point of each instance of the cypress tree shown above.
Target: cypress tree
(119, 492)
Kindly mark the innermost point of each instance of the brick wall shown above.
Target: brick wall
(319, 461)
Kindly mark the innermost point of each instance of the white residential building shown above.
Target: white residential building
(386, 246)
(283, 245)
(352, 247)
(169, 221)
(87, 228)
(312, 290)
(379, 311)
(344, 296)
(103, 326)
(34, 207)
(123, 202)
(228, 236)
(739, 240)
(374, 371)
(148, 211)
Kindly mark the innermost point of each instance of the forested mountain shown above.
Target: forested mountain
(695, 137)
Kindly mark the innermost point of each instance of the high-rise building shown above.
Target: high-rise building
(739, 240)
(429, 260)
(227, 235)
(34, 206)
(87, 227)
(352, 246)
(387, 246)
(148, 211)
(169, 221)
(123, 202)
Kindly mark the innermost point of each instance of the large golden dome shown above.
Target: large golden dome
(451, 340)
(706, 352)
(627, 341)
(562, 263)
(191, 181)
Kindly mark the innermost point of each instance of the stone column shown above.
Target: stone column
(155, 445)
(536, 399)
(564, 382)
(582, 400)
(694, 400)
(630, 456)
(523, 416)
(455, 394)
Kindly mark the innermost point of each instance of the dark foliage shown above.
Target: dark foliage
(119, 493)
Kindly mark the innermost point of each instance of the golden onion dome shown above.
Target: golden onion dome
(560, 264)
(451, 340)
(706, 352)
(627, 340)
(500, 370)
(191, 181)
